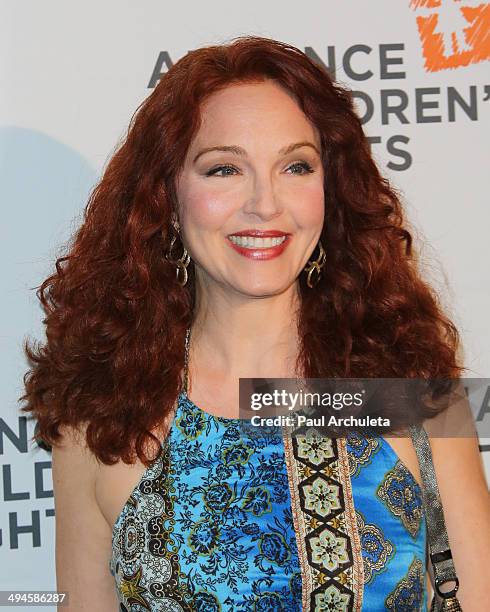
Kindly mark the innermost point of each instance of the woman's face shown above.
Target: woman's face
(263, 174)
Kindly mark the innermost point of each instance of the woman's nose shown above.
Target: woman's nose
(264, 199)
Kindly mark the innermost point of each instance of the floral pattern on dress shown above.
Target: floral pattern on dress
(390, 520)
(361, 451)
(326, 531)
(409, 592)
(227, 517)
(403, 496)
(212, 524)
(376, 549)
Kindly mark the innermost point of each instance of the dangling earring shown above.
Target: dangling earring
(183, 261)
(315, 266)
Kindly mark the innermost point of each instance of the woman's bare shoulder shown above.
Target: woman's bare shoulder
(466, 501)
(71, 452)
(83, 539)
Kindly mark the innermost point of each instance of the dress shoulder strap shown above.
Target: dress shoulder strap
(186, 360)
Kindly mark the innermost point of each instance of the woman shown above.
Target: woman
(242, 230)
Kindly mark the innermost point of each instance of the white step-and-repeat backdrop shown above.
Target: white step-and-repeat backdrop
(73, 74)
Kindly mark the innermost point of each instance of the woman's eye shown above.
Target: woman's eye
(227, 170)
(304, 166)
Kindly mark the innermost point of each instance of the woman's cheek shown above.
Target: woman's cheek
(309, 204)
(208, 211)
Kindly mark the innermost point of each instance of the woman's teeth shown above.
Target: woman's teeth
(251, 242)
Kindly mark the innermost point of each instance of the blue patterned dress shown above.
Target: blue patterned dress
(233, 520)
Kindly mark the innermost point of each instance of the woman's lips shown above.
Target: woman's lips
(261, 253)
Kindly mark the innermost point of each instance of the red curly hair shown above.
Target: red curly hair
(116, 315)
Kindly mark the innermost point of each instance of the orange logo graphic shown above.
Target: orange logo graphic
(453, 33)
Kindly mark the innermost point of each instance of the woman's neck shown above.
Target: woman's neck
(257, 337)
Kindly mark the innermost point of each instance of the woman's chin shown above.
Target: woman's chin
(264, 287)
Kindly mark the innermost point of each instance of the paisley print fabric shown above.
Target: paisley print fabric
(236, 519)
(391, 524)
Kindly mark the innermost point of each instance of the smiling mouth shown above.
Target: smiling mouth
(259, 245)
(253, 242)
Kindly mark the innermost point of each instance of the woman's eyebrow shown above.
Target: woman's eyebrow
(236, 150)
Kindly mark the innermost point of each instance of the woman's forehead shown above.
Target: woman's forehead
(245, 110)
